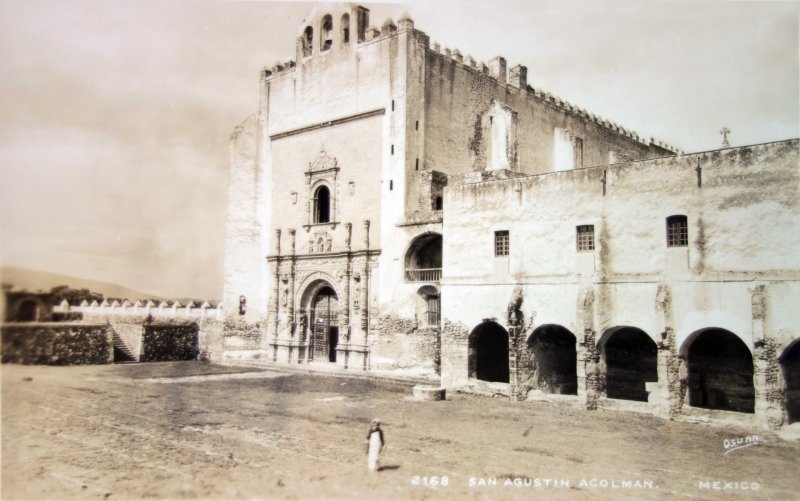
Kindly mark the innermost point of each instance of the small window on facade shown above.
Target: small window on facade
(585, 237)
(326, 34)
(322, 205)
(345, 29)
(416, 164)
(416, 125)
(391, 185)
(392, 149)
(677, 231)
(501, 242)
(392, 104)
(437, 204)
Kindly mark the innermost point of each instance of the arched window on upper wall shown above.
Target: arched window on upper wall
(308, 40)
(326, 33)
(322, 205)
(345, 29)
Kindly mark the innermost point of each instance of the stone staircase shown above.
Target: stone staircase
(122, 354)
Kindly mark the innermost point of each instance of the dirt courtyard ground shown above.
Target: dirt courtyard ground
(194, 430)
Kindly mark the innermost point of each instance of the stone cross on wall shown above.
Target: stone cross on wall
(725, 131)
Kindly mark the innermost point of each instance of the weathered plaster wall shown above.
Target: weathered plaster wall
(245, 245)
(742, 232)
(357, 148)
(457, 98)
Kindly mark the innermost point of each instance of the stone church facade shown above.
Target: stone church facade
(396, 205)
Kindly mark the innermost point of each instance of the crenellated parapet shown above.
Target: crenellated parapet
(515, 79)
(161, 309)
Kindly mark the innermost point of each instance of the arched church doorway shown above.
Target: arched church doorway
(720, 371)
(325, 327)
(554, 359)
(790, 364)
(488, 353)
(630, 357)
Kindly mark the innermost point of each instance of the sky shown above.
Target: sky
(116, 116)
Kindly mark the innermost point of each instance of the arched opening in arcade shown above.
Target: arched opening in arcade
(488, 353)
(720, 371)
(424, 259)
(28, 311)
(324, 325)
(790, 365)
(631, 361)
(554, 359)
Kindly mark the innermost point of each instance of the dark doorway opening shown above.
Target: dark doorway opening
(631, 359)
(790, 363)
(28, 311)
(488, 353)
(554, 360)
(325, 333)
(720, 372)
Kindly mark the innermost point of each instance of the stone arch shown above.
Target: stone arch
(345, 23)
(28, 310)
(423, 258)
(319, 311)
(554, 359)
(630, 357)
(488, 353)
(308, 41)
(720, 370)
(326, 33)
(790, 366)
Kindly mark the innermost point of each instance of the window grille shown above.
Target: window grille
(585, 235)
(501, 243)
(677, 231)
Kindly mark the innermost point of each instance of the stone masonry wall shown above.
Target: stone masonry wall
(168, 342)
(57, 344)
(402, 343)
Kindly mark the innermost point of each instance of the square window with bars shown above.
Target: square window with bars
(501, 243)
(585, 236)
(677, 231)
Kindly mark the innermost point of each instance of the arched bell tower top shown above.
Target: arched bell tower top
(329, 27)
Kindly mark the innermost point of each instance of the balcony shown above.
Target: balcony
(424, 275)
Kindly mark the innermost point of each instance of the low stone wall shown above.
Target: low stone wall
(170, 342)
(57, 344)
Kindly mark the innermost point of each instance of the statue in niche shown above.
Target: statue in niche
(311, 246)
(320, 245)
(242, 305)
(329, 244)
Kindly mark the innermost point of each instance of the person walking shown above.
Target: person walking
(375, 444)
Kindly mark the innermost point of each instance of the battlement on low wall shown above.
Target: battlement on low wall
(164, 309)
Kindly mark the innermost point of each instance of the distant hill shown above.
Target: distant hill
(35, 280)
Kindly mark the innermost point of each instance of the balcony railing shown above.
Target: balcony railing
(424, 275)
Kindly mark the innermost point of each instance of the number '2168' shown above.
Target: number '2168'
(433, 481)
